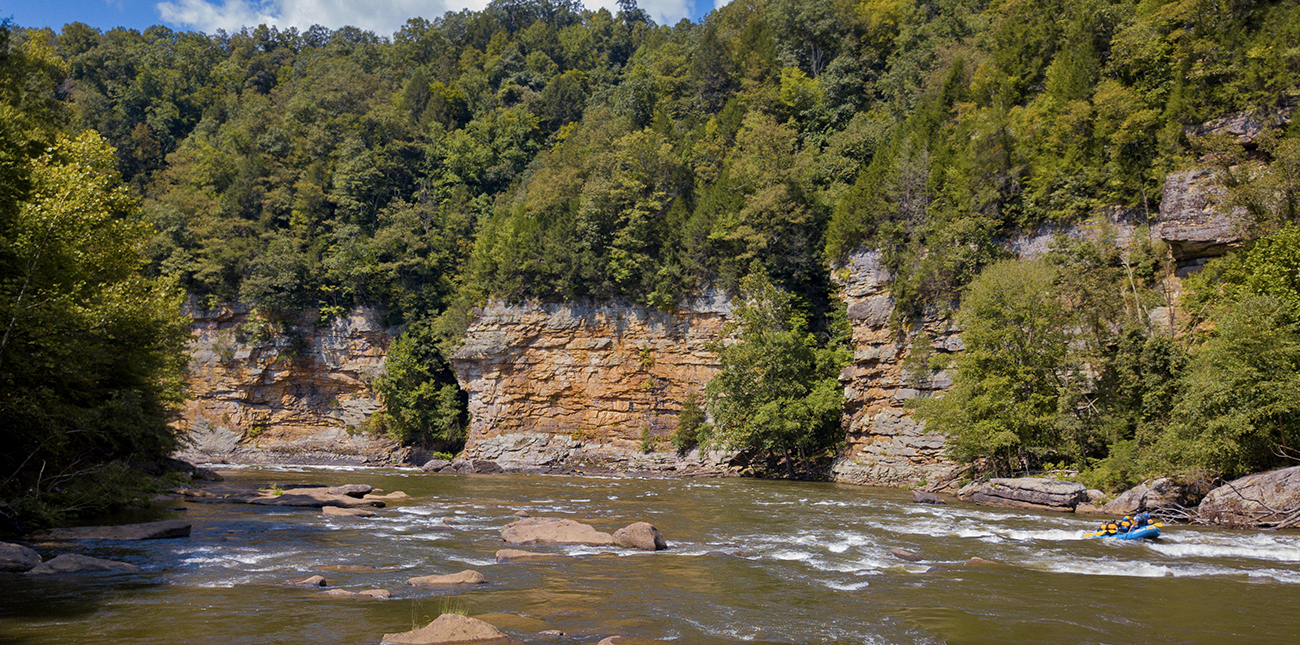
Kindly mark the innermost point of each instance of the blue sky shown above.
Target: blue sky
(381, 16)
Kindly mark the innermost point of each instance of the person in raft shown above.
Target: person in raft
(1125, 525)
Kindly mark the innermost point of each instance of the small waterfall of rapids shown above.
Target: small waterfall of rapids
(750, 561)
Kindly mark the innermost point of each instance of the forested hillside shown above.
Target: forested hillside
(537, 149)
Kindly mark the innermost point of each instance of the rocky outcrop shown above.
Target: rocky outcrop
(148, 531)
(886, 446)
(1026, 492)
(1246, 127)
(1152, 495)
(550, 530)
(74, 563)
(16, 558)
(561, 385)
(1193, 220)
(640, 535)
(283, 392)
(1268, 500)
(448, 628)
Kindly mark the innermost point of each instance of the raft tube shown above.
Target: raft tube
(1150, 531)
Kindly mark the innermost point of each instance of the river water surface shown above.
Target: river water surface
(750, 561)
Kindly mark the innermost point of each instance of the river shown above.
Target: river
(750, 561)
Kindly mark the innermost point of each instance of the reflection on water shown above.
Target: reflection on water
(750, 561)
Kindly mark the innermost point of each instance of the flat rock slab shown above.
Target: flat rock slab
(339, 511)
(16, 558)
(351, 490)
(466, 577)
(397, 494)
(147, 531)
(1026, 492)
(74, 563)
(449, 628)
(515, 555)
(1266, 499)
(313, 498)
(551, 530)
(377, 594)
(640, 535)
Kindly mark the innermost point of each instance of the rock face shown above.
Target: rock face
(262, 392)
(550, 530)
(448, 628)
(1193, 222)
(565, 384)
(1155, 494)
(886, 446)
(147, 531)
(1270, 499)
(16, 558)
(1026, 492)
(73, 563)
(640, 535)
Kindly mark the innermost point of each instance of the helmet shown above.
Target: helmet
(1126, 519)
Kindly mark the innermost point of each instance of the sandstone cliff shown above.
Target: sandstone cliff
(265, 392)
(560, 385)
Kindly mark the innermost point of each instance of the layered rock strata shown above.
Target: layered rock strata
(297, 392)
(556, 386)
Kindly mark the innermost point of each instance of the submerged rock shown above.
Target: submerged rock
(515, 555)
(448, 628)
(466, 577)
(317, 497)
(922, 497)
(640, 535)
(551, 530)
(397, 494)
(147, 531)
(1026, 492)
(74, 563)
(338, 511)
(16, 558)
(1270, 499)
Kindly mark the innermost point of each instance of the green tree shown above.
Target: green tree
(777, 393)
(1003, 407)
(421, 399)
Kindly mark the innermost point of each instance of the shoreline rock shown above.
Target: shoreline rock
(166, 529)
(1026, 492)
(16, 558)
(75, 563)
(1263, 500)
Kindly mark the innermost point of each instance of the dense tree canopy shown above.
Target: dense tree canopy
(537, 149)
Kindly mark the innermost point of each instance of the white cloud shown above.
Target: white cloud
(383, 17)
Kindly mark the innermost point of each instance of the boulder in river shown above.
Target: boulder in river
(922, 497)
(74, 563)
(904, 554)
(1263, 500)
(434, 465)
(313, 581)
(16, 558)
(397, 494)
(351, 490)
(466, 577)
(448, 628)
(147, 531)
(551, 530)
(640, 535)
(515, 555)
(479, 466)
(1026, 492)
(339, 511)
(1155, 494)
